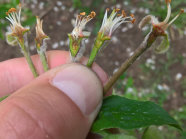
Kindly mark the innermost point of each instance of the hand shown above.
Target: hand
(60, 104)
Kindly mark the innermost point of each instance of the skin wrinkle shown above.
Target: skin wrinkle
(52, 106)
(38, 95)
(8, 79)
(70, 114)
(35, 121)
(12, 128)
(63, 117)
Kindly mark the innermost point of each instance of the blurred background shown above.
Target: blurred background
(159, 78)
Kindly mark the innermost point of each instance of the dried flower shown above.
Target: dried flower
(41, 46)
(40, 35)
(161, 27)
(111, 23)
(14, 16)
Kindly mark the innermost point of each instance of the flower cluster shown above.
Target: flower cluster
(111, 21)
(18, 36)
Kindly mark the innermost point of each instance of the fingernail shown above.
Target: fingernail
(82, 86)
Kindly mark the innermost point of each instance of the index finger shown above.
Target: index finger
(15, 73)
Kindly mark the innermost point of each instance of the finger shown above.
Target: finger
(15, 73)
(60, 104)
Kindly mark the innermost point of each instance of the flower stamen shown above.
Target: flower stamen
(181, 12)
(83, 13)
(81, 21)
(11, 10)
(14, 16)
(168, 11)
(168, 1)
(133, 21)
(117, 9)
(115, 19)
(123, 13)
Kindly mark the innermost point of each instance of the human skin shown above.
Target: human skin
(61, 103)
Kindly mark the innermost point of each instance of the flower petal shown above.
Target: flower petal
(164, 45)
(146, 20)
(11, 40)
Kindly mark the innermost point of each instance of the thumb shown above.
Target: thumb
(62, 103)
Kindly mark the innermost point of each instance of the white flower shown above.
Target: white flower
(14, 17)
(162, 26)
(111, 23)
(81, 21)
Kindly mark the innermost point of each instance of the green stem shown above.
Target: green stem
(92, 56)
(28, 58)
(4, 97)
(97, 46)
(147, 43)
(44, 61)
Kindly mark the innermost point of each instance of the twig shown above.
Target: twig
(147, 43)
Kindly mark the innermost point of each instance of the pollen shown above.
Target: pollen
(117, 9)
(83, 13)
(133, 21)
(92, 14)
(182, 11)
(11, 10)
(107, 9)
(132, 15)
(20, 5)
(168, 1)
(123, 13)
(118, 14)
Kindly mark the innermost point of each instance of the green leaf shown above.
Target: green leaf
(3, 9)
(119, 112)
(119, 136)
(106, 135)
(2, 98)
(15, 2)
(164, 45)
(152, 132)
